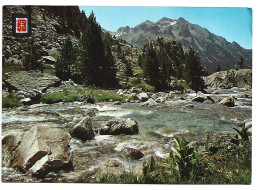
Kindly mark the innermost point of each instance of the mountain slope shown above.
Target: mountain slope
(213, 50)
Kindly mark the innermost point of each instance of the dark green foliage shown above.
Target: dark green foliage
(89, 98)
(184, 158)
(32, 60)
(97, 64)
(217, 68)
(65, 61)
(193, 71)
(128, 72)
(151, 68)
(240, 63)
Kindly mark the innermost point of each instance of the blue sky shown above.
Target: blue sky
(234, 24)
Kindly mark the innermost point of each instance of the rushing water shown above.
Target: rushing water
(156, 124)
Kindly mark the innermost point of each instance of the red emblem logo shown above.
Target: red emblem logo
(21, 25)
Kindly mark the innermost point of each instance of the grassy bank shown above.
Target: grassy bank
(79, 94)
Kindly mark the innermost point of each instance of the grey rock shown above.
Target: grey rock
(42, 149)
(120, 126)
(132, 153)
(84, 129)
(228, 101)
(149, 102)
(142, 96)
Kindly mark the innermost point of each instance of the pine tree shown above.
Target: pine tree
(32, 60)
(109, 68)
(217, 68)
(193, 71)
(65, 61)
(151, 68)
(128, 72)
(240, 63)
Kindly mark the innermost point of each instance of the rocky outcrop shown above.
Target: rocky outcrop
(84, 129)
(228, 101)
(120, 126)
(241, 78)
(42, 149)
(110, 168)
(29, 84)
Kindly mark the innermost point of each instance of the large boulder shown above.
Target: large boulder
(110, 168)
(228, 101)
(84, 129)
(150, 102)
(143, 96)
(201, 97)
(9, 144)
(42, 149)
(120, 126)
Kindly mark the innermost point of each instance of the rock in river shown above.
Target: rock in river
(84, 130)
(120, 126)
(42, 149)
(228, 101)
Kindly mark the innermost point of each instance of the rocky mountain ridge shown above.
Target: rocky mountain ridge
(213, 50)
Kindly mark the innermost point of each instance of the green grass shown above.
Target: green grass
(10, 102)
(103, 95)
(8, 67)
(77, 94)
(49, 71)
(67, 95)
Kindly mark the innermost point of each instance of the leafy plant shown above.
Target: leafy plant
(242, 132)
(184, 158)
(148, 168)
(89, 98)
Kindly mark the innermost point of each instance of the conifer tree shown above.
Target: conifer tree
(240, 63)
(32, 60)
(151, 68)
(128, 69)
(65, 61)
(193, 71)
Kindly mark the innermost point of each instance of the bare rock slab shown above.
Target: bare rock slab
(42, 149)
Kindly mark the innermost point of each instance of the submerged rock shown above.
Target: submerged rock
(120, 126)
(132, 153)
(42, 149)
(84, 129)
